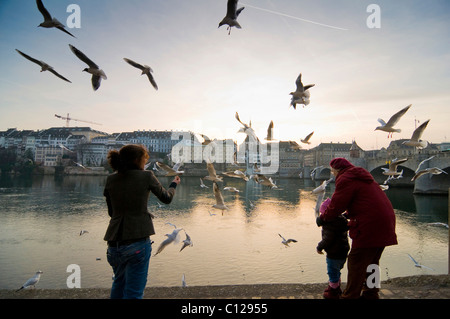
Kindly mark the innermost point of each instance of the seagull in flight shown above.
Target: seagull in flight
(171, 171)
(97, 73)
(173, 237)
(432, 171)
(389, 126)
(301, 94)
(44, 66)
(50, 22)
(270, 132)
(220, 204)
(212, 176)
(306, 139)
(392, 170)
(32, 282)
(417, 264)
(82, 232)
(202, 185)
(417, 134)
(187, 242)
(266, 181)
(145, 70)
(247, 128)
(231, 17)
(286, 242)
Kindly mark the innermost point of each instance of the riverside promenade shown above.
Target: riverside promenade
(412, 287)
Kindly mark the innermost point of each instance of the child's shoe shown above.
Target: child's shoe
(332, 293)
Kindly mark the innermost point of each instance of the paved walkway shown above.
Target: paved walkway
(413, 287)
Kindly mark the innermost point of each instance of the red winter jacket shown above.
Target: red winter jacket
(372, 218)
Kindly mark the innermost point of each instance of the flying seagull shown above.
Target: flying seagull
(220, 204)
(288, 241)
(50, 22)
(392, 170)
(145, 70)
(301, 94)
(266, 181)
(44, 66)
(82, 232)
(417, 134)
(306, 139)
(97, 73)
(173, 237)
(32, 282)
(187, 242)
(247, 128)
(231, 17)
(417, 264)
(236, 174)
(432, 171)
(212, 176)
(389, 126)
(171, 171)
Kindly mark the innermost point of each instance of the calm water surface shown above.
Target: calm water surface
(41, 218)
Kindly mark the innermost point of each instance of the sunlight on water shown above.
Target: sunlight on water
(41, 221)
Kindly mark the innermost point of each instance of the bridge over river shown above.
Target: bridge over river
(426, 184)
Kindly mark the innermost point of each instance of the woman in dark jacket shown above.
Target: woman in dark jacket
(127, 192)
(371, 222)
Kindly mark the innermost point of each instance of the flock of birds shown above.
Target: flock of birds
(300, 96)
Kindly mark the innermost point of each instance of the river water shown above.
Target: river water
(41, 219)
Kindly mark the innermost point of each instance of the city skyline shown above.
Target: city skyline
(205, 76)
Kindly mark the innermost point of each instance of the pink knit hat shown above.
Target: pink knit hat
(340, 163)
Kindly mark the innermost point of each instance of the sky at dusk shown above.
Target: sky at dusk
(205, 75)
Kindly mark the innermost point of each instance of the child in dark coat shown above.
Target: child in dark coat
(335, 243)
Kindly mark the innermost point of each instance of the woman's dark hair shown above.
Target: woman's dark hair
(128, 157)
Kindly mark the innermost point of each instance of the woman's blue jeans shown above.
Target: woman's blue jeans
(334, 267)
(130, 266)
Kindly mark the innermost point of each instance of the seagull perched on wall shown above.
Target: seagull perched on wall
(32, 282)
(97, 73)
(50, 22)
(44, 66)
(231, 17)
(389, 126)
(145, 70)
(417, 134)
(301, 94)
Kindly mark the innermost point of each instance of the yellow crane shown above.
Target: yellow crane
(68, 119)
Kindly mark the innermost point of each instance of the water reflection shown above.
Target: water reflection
(41, 219)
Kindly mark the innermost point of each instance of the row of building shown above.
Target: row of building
(90, 148)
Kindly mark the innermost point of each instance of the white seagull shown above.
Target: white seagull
(389, 126)
(50, 22)
(231, 189)
(220, 204)
(417, 134)
(231, 17)
(145, 70)
(392, 170)
(432, 171)
(32, 282)
(187, 242)
(173, 237)
(301, 94)
(288, 241)
(183, 281)
(236, 174)
(417, 264)
(322, 187)
(294, 145)
(247, 128)
(306, 139)
(438, 224)
(44, 66)
(82, 232)
(212, 176)
(171, 171)
(202, 185)
(264, 180)
(97, 73)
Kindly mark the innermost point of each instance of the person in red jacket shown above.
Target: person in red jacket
(371, 223)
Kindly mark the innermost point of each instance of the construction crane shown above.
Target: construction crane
(68, 119)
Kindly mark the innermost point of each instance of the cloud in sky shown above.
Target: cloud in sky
(205, 75)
